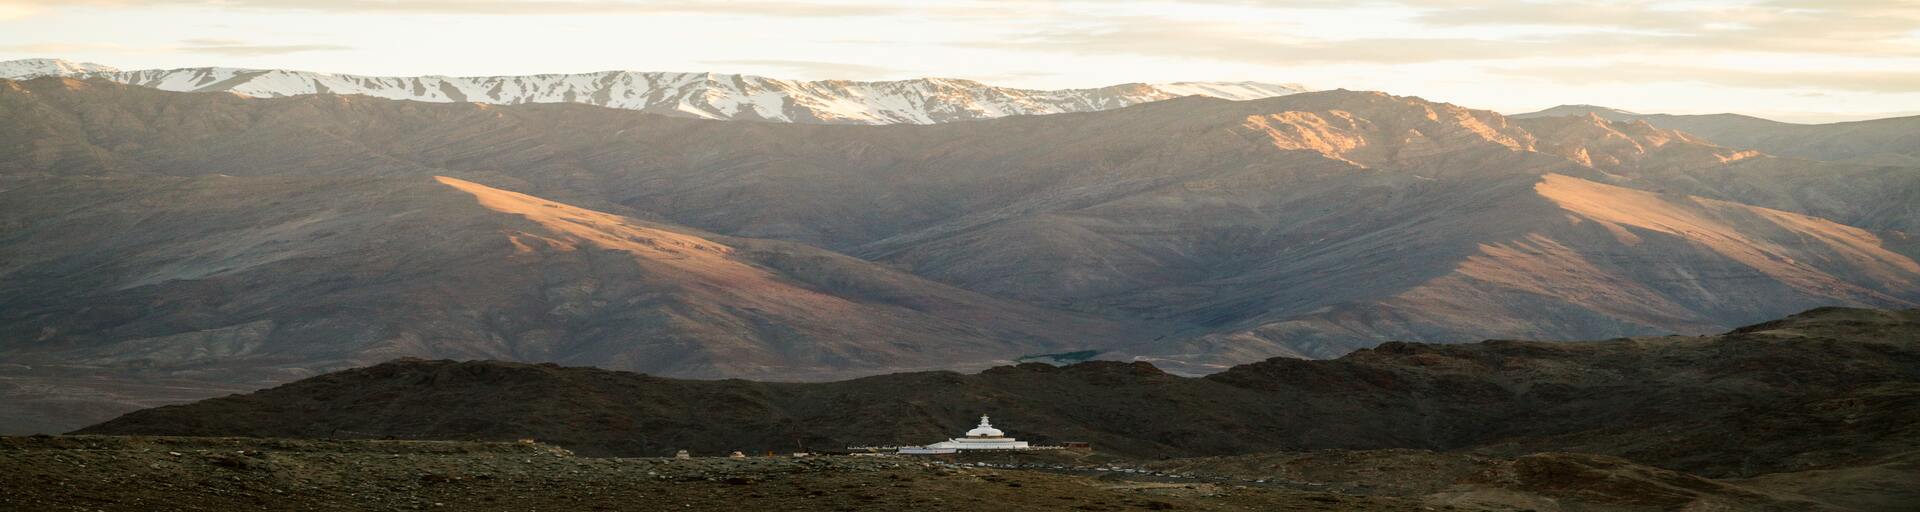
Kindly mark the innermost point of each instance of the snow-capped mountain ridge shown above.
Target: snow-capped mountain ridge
(27, 68)
(697, 94)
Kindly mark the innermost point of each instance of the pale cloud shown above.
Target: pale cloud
(13, 11)
(226, 47)
(1805, 55)
(1873, 81)
(815, 69)
(1853, 28)
(502, 7)
(1233, 42)
(238, 48)
(1015, 75)
(1585, 30)
(55, 48)
(1642, 16)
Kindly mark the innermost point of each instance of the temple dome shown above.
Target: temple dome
(984, 430)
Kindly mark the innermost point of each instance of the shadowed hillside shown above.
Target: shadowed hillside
(1827, 388)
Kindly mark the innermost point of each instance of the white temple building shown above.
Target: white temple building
(983, 437)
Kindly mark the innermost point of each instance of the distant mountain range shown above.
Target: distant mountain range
(701, 95)
(1890, 141)
(154, 236)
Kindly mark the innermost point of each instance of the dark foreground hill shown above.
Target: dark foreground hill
(1828, 388)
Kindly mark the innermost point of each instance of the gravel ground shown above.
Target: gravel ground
(100, 473)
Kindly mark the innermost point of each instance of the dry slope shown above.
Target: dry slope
(253, 281)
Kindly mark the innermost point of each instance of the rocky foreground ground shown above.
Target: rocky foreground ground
(106, 473)
(152, 473)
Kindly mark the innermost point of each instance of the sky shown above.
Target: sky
(1793, 60)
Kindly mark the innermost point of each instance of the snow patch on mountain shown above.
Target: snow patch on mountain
(702, 95)
(29, 68)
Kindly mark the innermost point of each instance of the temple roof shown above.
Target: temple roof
(985, 429)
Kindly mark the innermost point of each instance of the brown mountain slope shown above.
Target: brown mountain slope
(1636, 153)
(1890, 141)
(253, 281)
(1309, 224)
(1829, 388)
(1579, 256)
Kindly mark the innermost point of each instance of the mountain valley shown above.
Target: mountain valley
(959, 255)
(242, 242)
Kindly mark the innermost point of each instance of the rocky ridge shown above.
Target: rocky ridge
(1876, 142)
(699, 95)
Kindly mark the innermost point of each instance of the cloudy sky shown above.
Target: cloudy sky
(1802, 60)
